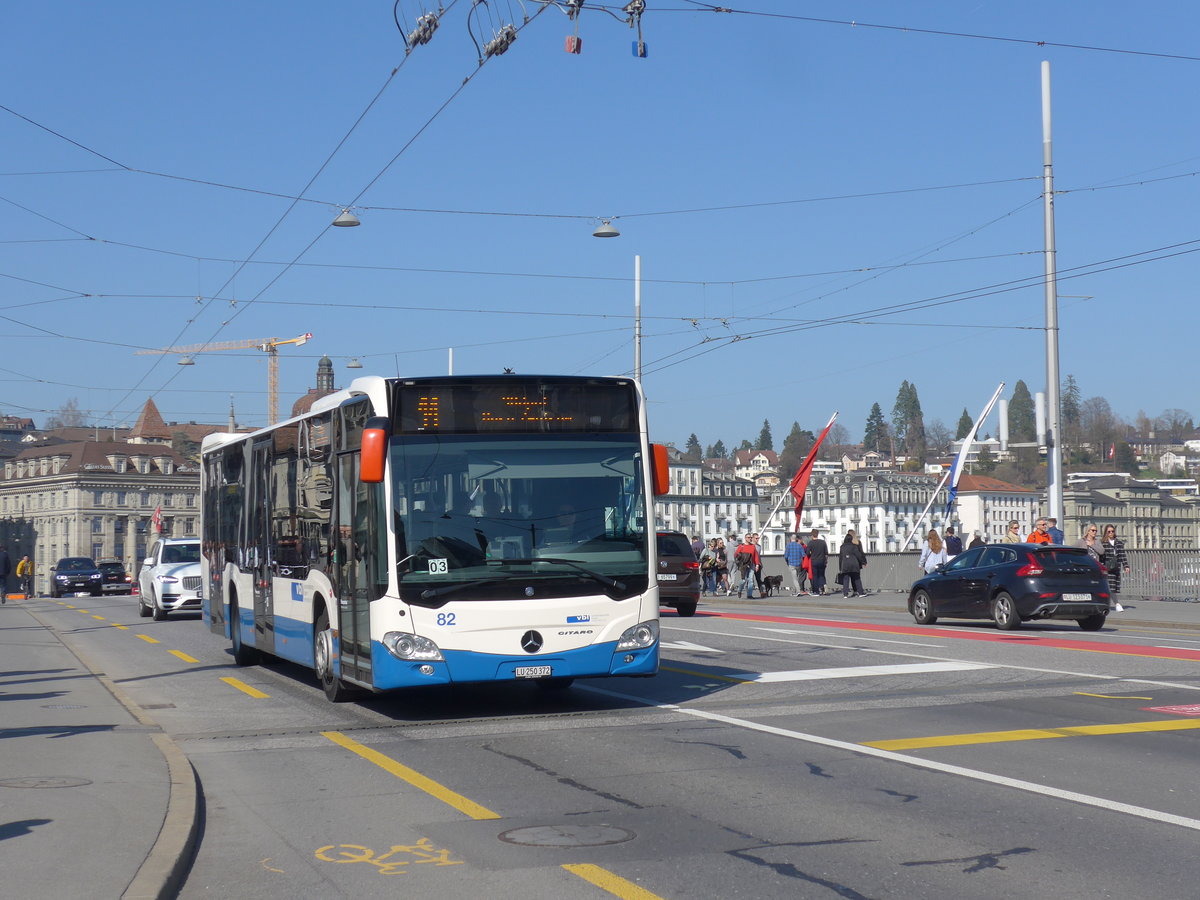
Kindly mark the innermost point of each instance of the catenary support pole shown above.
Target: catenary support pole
(1054, 498)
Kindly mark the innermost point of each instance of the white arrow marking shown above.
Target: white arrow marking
(688, 645)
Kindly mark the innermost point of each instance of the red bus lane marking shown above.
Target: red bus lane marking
(993, 637)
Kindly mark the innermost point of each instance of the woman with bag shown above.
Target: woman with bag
(1115, 562)
(708, 568)
(851, 561)
(933, 553)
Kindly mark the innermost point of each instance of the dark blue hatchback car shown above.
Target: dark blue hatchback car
(1014, 583)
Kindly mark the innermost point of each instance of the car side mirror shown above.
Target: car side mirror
(148, 561)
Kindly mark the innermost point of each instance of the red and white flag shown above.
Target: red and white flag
(156, 519)
(1112, 450)
(800, 480)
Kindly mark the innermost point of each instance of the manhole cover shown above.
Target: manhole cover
(567, 835)
(62, 706)
(45, 781)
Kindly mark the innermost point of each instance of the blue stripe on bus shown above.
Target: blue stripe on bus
(294, 640)
(468, 666)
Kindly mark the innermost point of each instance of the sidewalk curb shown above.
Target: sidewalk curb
(161, 874)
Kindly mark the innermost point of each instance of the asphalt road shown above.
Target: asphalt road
(779, 753)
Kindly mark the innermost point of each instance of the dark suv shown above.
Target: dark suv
(1013, 583)
(74, 575)
(116, 580)
(678, 573)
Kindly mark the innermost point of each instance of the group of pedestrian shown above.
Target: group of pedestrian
(1109, 553)
(806, 562)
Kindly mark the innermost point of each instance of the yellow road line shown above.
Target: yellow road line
(245, 688)
(1111, 696)
(122, 627)
(413, 777)
(148, 639)
(607, 881)
(181, 655)
(697, 673)
(1033, 734)
(101, 618)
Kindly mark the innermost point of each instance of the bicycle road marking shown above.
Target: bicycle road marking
(244, 688)
(422, 851)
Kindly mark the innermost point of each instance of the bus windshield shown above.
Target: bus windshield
(487, 516)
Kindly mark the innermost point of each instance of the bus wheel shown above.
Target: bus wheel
(335, 689)
(242, 655)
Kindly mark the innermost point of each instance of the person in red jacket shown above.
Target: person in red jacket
(1040, 533)
(747, 561)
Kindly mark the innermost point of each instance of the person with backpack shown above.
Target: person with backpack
(851, 561)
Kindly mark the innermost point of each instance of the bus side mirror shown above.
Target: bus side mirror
(374, 450)
(660, 471)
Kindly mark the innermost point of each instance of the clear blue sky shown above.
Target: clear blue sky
(753, 110)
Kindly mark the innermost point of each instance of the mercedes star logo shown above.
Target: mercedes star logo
(531, 642)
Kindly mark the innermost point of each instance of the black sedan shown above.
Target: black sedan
(1013, 583)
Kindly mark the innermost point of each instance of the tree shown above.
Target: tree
(1069, 408)
(908, 422)
(692, 450)
(764, 437)
(939, 436)
(1174, 424)
(964, 425)
(795, 447)
(1125, 458)
(185, 446)
(985, 463)
(745, 445)
(67, 416)
(717, 450)
(875, 435)
(1098, 426)
(1022, 418)
(836, 442)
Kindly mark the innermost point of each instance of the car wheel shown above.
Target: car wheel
(686, 609)
(53, 592)
(1004, 613)
(922, 609)
(143, 609)
(242, 655)
(160, 614)
(1093, 623)
(335, 689)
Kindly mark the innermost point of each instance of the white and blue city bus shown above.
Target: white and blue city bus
(421, 531)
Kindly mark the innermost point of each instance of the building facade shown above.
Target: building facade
(705, 502)
(987, 505)
(1146, 516)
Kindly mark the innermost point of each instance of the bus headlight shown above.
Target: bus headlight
(643, 634)
(403, 645)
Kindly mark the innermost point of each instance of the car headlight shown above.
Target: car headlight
(167, 579)
(403, 645)
(96, 577)
(643, 634)
(61, 577)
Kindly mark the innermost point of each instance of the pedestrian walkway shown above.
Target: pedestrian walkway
(95, 801)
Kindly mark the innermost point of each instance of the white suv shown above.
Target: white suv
(169, 579)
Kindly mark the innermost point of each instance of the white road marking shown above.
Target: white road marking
(847, 637)
(858, 672)
(687, 645)
(1142, 812)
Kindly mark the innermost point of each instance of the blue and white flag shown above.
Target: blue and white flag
(960, 460)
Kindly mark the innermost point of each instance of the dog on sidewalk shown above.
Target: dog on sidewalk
(771, 584)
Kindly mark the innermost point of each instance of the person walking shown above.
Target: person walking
(25, 576)
(731, 545)
(933, 552)
(1115, 562)
(1013, 535)
(953, 543)
(1040, 533)
(759, 564)
(818, 558)
(1091, 543)
(747, 560)
(1056, 535)
(976, 541)
(722, 569)
(851, 561)
(708, 568)
(794, 555)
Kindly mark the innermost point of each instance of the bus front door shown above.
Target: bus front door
(258, 545)
(355, 559)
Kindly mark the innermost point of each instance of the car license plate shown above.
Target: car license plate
(533, 671)
(662, 577)
(1077, 598)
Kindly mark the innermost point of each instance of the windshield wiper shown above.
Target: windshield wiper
(583, 570)
(434, 593)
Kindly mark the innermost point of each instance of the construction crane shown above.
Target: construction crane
(268, 346)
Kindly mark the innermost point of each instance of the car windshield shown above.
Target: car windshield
(674, 545)
(112, 567)
(181, 553)
(1067, 555)
(465, 503)
(75, 564)
(965, 560)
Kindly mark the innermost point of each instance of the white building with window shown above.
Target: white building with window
(705, 502)
(987, 505)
